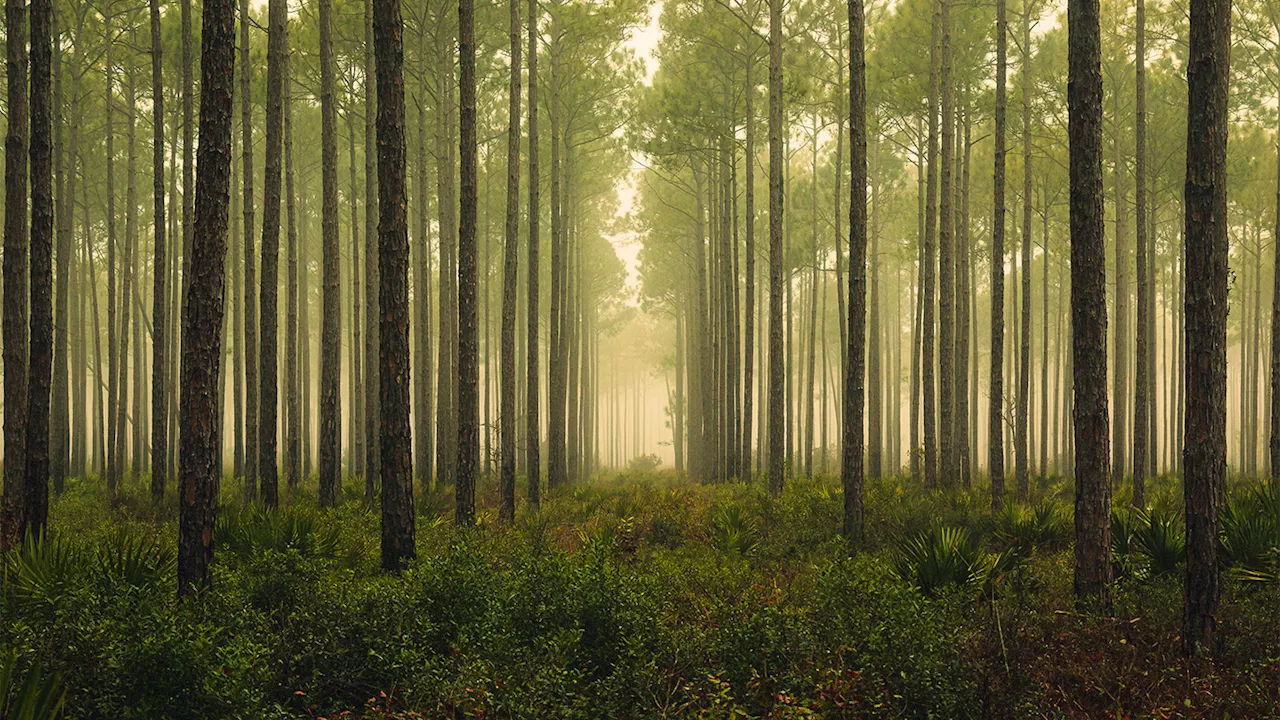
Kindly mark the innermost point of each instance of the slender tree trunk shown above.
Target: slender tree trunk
(268, 432)
(777, 419)
(930, 257)
(468, 329)
(59, 421)
(966, 426)
(1141, 407)
(510, 280)
(533, 433)
(1022, 449)
(424, 447)
(330, 441)
(202, 311)
(854, 393)
(251, 350)
(371, 347)
(292, 355)
(1206, 314)
(159, 316)
(995, 410)
(946, 260)
(1088, 305)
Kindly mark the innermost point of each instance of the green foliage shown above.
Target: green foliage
(39, 696)
(1251, 534)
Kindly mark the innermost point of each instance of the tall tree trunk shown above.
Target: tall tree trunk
(1088, 304)
(851, 473)
(1206, 314)
(330, 441)
(35, 500)
(946, 260)
(533, 433)
(268, 432)
(966, 421)
(251, 350)
(15, 258)
(995, 409)
(202, 311)
(510, 280)
(292, 356)
(59, 420)
(1141, 406)
(159, 316)
(930, 257)
(468, 328)
(424, 447)
(446, 395)
(1120, 354)
(395, 453)
(1022, 450)
(371, 347)
(777, 419)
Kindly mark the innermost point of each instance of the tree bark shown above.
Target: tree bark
(372, 372)
(251, 350)
(533, 433)
(510, 281)
(468, 328)
(15, 259)
(1088, 305)
(851, 472)
(995, 409)
(330, 441)
(159, 311)
(203, 309)
(268, 405)
(777, 419)
(1141, 402)
(1205, 452)
(35, 500)
(395, 453)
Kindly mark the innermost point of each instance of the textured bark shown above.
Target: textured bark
(59, 417)
(395, 452)
(1141, 404)
(251, 350)
(948, 466)
(268, 404)
(159, 295)
(35, 496)
(203, 309)
(851, 473)
(995, 409)
(468, 328)
(15, 258)
(1120, 353)
(371, 263)
(777, 419)
(1021, 442)
(749, 311)
(1274, 410)
(533, 433)
(1088, 305)
(1205, 192)
(966, 408)
(424, 445)
(330, 441)
(510, 281)
(930, 300)
(292, 356)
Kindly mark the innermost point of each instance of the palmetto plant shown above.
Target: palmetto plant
(1251, 535)
(38, 697)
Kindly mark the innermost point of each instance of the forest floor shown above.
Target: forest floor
(639, 595)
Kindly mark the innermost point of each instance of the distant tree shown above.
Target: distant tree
(510, 281)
